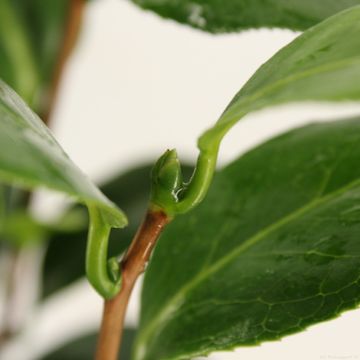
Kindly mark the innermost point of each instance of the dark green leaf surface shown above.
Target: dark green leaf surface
(233, 15)
(323, 64)
(84, 348)
(131, 190)
(31, 157)
(273, 249)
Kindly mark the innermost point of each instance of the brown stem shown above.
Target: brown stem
(132, 266)
(71, 32)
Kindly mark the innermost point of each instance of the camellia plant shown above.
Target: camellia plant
(260, 249)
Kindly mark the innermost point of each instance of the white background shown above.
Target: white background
(137, 85)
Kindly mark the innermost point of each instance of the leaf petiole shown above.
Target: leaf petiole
(173, 196)
(104, 275)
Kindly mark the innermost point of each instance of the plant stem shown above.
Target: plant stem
(132, 266)
(74, 20)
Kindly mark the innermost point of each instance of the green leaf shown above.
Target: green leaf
(233, 15)
(273, 248)
(20, 229)
(84, 348)
(323, 64)
(30, 156)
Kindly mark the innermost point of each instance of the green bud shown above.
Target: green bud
(166, 181)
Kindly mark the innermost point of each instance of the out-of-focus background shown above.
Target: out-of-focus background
(135, 86)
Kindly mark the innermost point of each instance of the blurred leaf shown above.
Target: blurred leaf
(19, 66)
(84, 348)
(220, 16)
(131, 190)
(273, 249)
(31, 35)
(323, 64)
(2, 204)
(20, 229)
(73, 220)
(44, 23)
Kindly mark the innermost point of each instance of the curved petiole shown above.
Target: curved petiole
(173, 196)
(169, 194)
(104, 275)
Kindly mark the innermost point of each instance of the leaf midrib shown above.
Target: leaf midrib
(233, 113)
(251, 98)
(168, 309)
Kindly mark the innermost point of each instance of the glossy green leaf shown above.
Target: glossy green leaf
(273, 248)
(30, 156)
(233, 15)
(323, 64)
